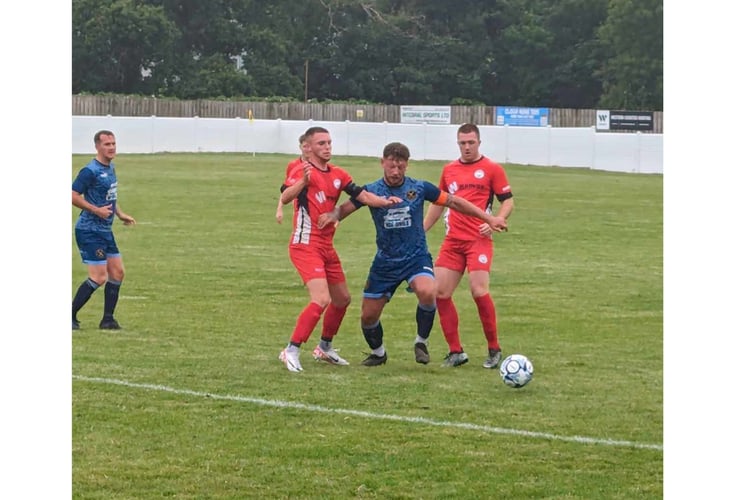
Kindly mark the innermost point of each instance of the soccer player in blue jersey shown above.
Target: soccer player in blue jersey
(95, 193)
(402, 252)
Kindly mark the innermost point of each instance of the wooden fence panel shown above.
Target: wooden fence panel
(86, 105)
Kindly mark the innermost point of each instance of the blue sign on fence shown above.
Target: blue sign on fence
(521, 117)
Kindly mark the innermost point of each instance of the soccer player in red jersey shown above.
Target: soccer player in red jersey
(315, 189)
(467, 244)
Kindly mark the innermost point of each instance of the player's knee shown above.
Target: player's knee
(117, 275)
(323, 302)
(97, 275)
(342, 302)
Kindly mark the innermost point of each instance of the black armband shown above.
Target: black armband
(353, 190)
(282, 188)
(503, 196)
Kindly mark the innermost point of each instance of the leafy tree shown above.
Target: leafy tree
(632, 72)
(120, 46)
(558, 53)
(573, 25)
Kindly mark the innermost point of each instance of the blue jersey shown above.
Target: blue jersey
(399, 229)
(98, 184)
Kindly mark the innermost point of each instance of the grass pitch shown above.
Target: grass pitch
(190, 401)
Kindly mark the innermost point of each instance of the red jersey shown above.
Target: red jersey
(296, 163)
(318, 197)
(478, 182)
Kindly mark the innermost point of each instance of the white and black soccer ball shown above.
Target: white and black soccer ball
(516, 370)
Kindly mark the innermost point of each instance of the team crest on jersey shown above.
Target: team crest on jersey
(411, 195)
(337, 183)
(479, 174)
(99, 253)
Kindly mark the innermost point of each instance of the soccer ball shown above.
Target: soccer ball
(516, 370)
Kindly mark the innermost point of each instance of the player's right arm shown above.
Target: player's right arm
(292, 191)
(372, 200)
(80, 202)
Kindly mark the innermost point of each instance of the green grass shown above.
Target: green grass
(190, 401)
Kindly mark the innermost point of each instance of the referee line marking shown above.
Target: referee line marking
(378, 416)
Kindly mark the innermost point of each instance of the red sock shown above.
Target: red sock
(487, 313)
(306, 322)
(332, 320)
(449, 323)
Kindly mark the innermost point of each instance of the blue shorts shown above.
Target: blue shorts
(96, 247)
(384, 277)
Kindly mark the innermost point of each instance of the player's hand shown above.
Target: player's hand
(393, 200)
(127, 220)
(500, 224)
(103, 212)
(327, 218)
(307, 173)
(279, 216)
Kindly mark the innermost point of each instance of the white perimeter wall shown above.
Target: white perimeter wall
(547, 146)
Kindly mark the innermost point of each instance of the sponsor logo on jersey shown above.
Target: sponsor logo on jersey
(453, 187)
(320, 197)
(397, 218)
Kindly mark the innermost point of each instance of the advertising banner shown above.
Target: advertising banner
(521, 117)
(426, 114)
(624, 120)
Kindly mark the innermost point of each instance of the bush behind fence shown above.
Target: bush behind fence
(94, 105)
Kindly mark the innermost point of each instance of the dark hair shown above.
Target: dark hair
(98, 135)
(301, 139)
(396, 150)
(468, 128)
(314, 130)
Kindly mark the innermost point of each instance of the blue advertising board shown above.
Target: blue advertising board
(521, 117)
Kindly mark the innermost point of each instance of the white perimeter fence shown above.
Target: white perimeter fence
(544, 146)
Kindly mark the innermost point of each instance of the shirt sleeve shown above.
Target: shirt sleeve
(82, 180)
(432, 193)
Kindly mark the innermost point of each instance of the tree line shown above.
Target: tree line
(547, 53)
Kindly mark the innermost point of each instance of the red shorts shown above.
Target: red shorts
(457, 255)
(313, 262)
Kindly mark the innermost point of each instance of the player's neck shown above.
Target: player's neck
(103, 161)
(319, 164)
(468, 162)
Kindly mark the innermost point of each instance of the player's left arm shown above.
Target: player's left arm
(280, 214)
(463, 206)
(337, 214)
(505, 210)
(127, 219)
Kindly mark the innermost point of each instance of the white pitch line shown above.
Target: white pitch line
(380, 416)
